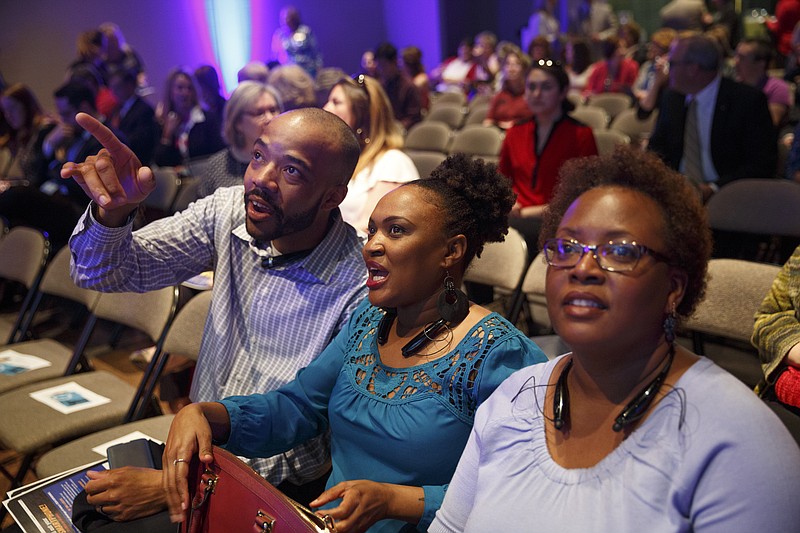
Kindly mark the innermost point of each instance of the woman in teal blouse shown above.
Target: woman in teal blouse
(398, 388)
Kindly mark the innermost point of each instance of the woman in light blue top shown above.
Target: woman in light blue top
(399, 386)
(631, 431)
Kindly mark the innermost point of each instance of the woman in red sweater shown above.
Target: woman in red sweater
(533, 152)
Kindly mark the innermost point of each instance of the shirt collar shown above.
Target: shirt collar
(320, 263)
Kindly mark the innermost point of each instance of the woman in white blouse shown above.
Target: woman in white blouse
(364, 106)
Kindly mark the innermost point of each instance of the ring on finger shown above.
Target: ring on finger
(176, 461)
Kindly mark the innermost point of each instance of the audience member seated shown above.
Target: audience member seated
(133, 117)
(364, 106)
(55, 205)
(457, 73)
(540, 48)
(752, 59)
(533, 152)
(411, 57)
(118, 55)
(326, 78)
(88, 67)
(27, 125)
(509, 107)
(293, 43)
(630, 430)
(542, 23)
(295, 87)
(733, 136)
(368, 66)
(614, 73)
(682, 15)
(249, 345)
(653, 73)
(403, 94)
(578, 57)
(253, 71)
(725, 15)
(781, 26)
(485, 54)
(399, 385)
(777, 336)
(251, 106)
(210, 92)
(186, 130)
(630, 35)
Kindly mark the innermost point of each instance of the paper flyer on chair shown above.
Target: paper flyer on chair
(46, 506)
(69, 397)
(13, 362)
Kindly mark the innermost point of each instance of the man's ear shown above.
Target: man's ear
(456, 249)
(334, 197)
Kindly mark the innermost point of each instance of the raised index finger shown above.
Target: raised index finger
(103, 135)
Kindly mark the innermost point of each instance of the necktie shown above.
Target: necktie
(692, 161)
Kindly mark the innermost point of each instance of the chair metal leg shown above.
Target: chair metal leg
(17, 479)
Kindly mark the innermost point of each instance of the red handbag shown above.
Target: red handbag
(787, 386)
(230, 497)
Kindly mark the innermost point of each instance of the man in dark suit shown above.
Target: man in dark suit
(731, 135)
(133, 117)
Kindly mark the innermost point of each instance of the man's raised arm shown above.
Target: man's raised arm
(114, 178)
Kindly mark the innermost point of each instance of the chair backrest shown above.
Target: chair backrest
(58, 282)
(198, 166)
(477, 140)
(450, 97)
(613, 103)
(757, 206)
(149, 312)
(189, 189)
(734, 292)
(429, 135)
(186, 331)
(629, 123)
(479, 100)
(607, 140)
(167, 184)
(594, 117)
(476, 115)
(501, 264)
(23, 255)
(451, 114)
(426, 161)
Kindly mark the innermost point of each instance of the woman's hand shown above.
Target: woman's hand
(190, 433)
(125, 493)
(365, 502)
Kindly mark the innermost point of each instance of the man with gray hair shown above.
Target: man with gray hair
(712, 129)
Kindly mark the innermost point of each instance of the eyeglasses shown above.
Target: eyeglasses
(611, 256)
(259, 113)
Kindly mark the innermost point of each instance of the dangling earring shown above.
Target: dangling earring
(669, 325)
(453, 304)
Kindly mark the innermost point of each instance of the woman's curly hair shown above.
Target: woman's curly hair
(473, 197)
(686, 232)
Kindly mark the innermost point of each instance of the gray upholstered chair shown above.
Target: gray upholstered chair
(595, 117)
(56, 282)
(428, 136)
(29, 426)
(184, 337)
(478, 141)
(628, 122)
(501, 265)
(426, 161)
(613, 103)
(608, 140)
(23, 255)
(725, 316)
(451, 114)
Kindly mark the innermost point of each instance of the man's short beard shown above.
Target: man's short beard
(285, 225)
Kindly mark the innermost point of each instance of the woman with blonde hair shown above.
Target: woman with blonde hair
(363, 105)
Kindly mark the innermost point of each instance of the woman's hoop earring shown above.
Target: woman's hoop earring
(453, 304)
